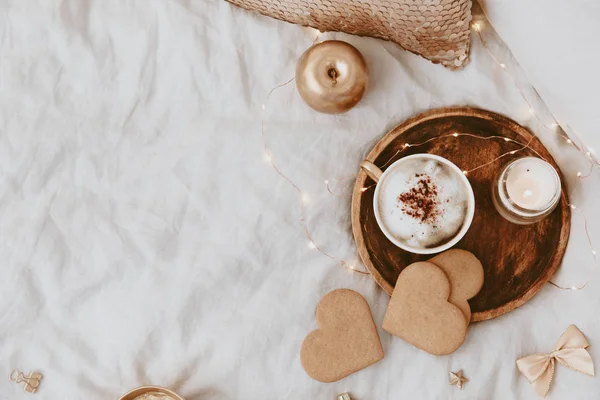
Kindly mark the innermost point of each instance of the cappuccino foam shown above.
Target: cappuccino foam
(422, 203)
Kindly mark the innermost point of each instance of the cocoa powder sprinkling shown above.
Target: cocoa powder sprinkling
(421, 201)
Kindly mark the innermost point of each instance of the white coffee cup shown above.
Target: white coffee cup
(378, 176)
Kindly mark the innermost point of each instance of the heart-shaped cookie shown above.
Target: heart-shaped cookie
(465, 273)
(346, 341)
(419, 311)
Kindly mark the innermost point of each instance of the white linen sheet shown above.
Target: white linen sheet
(556, 42)
(145, 240)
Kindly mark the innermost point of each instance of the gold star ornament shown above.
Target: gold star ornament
(457, 379)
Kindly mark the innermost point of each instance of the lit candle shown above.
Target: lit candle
(527, 190)
(532, 183)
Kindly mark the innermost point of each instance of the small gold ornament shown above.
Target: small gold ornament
(457, 379)
(30, 383)
(332, 76)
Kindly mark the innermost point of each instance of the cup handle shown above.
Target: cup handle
(371, 169)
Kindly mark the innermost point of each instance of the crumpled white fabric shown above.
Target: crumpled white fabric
(556, 43)
(144, 239)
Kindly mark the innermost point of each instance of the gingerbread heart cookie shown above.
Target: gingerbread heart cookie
(420, 313)
(346, 341)
(465, 273)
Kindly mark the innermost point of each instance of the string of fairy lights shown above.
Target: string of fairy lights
(555, 126)
(405, 146)
(304, 197)
(581, 147)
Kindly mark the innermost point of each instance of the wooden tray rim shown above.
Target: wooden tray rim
(444, 112)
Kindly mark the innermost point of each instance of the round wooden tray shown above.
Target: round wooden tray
(518, 260)
(150, 390)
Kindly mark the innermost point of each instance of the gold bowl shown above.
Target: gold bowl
(150, 390)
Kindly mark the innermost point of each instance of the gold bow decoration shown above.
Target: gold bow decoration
(570, 351)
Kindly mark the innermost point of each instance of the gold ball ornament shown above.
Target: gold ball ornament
(332, 76)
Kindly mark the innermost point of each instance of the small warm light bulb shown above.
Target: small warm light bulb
(506, 139)
(326, 182)
(573, 206)
(476, 26)
(513, 152)
(588, 154)
(554, 125)
(573, 287)
(503, 66)
(569, 141)
(363, 189)
(455, 134)
(311, 245)
(594, 252)
(406, 145)
(579, 174)
(465, 172)
(263, 107)
(305, 198)
(531, 110)
(268, 158)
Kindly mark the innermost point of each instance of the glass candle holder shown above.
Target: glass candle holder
(526, 190)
